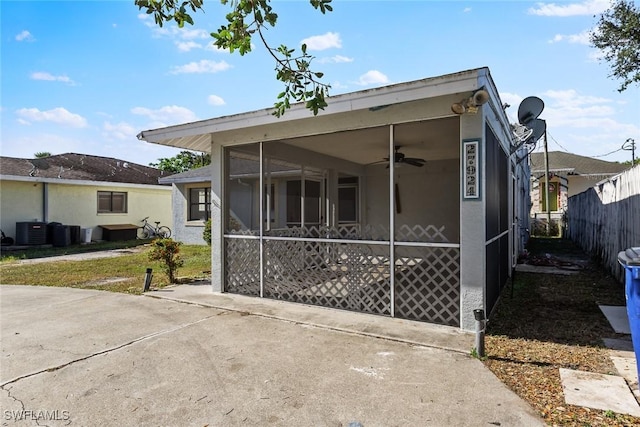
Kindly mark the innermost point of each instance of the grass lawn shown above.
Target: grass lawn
(124, 273)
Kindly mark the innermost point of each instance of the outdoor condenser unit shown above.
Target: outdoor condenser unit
(31, 233)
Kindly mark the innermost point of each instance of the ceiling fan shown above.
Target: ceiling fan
(399, 157)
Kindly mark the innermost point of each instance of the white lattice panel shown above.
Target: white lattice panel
(427, 285)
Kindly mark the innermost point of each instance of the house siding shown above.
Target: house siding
(20, 201)
(73, 204)
(185, 231)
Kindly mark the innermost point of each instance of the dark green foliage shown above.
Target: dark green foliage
(617, 35)
(206, 234)
(167, 251)
(250, 18)
(182, 162)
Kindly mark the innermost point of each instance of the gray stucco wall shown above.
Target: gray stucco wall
(187, 232)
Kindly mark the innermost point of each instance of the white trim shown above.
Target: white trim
(370, 98)
(82, 182)
(490, 241)
(196, 134)
(349, 241)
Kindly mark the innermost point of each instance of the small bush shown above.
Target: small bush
(168, 252)
(206, 234)
(539, 228)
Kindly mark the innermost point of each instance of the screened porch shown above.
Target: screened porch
(365, 220)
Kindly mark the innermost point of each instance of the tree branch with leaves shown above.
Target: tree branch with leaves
(249, 18)
(182, 162)
(617, 35)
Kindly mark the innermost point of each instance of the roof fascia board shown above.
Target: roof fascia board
(422, 109)
(81, 182)
(188, 180)
(372, 98)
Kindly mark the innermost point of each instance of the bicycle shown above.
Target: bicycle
(147, 231)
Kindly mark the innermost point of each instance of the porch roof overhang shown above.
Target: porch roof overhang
(351, 111)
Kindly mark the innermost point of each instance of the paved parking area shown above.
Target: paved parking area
(84, 357)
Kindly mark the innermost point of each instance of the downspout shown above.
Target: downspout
(45, 202)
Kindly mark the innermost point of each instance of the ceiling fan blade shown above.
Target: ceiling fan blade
(414, 162)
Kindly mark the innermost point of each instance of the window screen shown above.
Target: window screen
(112, 202)
(199, 204)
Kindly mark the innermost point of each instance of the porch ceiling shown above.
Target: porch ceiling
(430, 139)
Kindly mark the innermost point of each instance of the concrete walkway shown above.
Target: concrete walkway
(85, 357)
(417, 333)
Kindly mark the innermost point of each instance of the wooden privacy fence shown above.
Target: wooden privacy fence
(605, 219)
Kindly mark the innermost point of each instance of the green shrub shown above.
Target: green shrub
(168, 252)
(206, 234)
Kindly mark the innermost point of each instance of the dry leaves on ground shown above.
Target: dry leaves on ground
(551, 322)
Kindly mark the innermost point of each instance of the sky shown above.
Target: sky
(87, 76)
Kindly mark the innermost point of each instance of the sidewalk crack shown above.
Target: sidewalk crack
(105, 351)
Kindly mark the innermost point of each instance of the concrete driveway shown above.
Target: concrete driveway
(85, 358)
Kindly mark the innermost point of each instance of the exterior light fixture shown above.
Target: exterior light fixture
(471, 104)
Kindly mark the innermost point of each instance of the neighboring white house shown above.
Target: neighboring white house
(310, 209)
(191, 204)
(569, 174)
(80, 190)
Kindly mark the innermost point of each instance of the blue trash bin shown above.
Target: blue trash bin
(630, 260)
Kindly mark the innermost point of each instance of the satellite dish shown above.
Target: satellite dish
(539, 126)
(530, 108)
(521, 132)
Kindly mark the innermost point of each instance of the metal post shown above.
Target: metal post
(546, 184)
(480, 330)
(392, 224)
(147, 279)
(630, 145)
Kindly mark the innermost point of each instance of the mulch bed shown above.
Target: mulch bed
(550, 321)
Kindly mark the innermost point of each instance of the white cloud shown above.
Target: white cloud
(191, 33)
(571, 97)
(121, 131)
(25, 36)
(167, 115)
(372, 77)
(57, 115)
(323, 42)
(466, 10)
(213, 48)
(203, 66)
(580, 38)
(568, 109)
(336, 59)
(185, 39)
(336, 85)
(588, 7)
(215, 100)
(186, 46)
(43, 75)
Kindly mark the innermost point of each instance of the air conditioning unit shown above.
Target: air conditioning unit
(31, 233)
